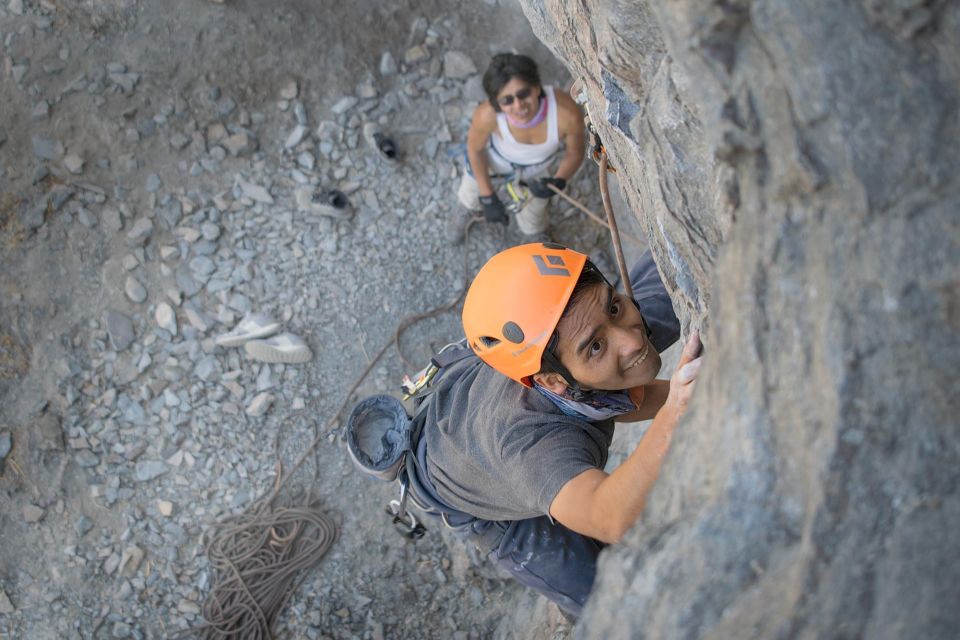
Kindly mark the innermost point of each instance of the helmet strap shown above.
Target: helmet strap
(577, 392)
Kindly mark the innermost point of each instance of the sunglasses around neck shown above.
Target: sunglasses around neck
(523, 94)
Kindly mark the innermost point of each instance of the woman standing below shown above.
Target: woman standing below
(518, 134)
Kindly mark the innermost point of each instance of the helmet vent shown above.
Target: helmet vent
(489, 342)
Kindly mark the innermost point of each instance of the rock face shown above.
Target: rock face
(794, 164)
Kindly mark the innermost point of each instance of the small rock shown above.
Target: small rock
(119, 329)
(416, 54)
(140, 231)
(130, 262)
(226, 106)
(328, 131)
(153, 183)
(197, 319)
(6, 445)
(290, 90)
(111, 219)
(300, 113)
(344, 104)
(388, 64)
(16, 8)
(166, 318)
(165, 507)
(259, 405)
(126, 81)
(203, 266)
(33, 513)
(6, 607)
(120, 630)
(58, 196)
(73, 163)
(48, 433)
(130, 560)
(296, 137)
(306, 160)
(210, 231)
(41, 111)
(239, 302)
(256, 192)
(188, 606)
(86, 218)
(46, 149)
(178, 141)
(169, 252)
(135, 290)
(208, 369)
(83, 526)
(186, 282)
(240, 144)
(86, 458)
(458, 65)
(147, 470)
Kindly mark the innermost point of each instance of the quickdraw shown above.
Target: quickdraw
(412, 387)
(597, 150)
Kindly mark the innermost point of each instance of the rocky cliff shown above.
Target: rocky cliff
(795, 166)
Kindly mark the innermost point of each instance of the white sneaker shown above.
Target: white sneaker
(286, 348)
(253, 325)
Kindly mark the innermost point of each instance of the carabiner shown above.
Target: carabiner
(404, 521)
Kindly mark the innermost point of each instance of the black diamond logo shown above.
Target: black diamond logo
(547, 270)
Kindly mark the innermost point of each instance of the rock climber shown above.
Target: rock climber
(512, 444)
(518, 134)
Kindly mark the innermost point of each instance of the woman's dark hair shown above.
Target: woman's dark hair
(590, 277)
(505, 66)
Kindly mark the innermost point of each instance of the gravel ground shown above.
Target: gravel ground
(151, 156)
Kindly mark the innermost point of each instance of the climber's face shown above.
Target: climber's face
(602, 340)
(519, 100)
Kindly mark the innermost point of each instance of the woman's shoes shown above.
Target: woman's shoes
(253, 325)
(253, 334)
(285, 348)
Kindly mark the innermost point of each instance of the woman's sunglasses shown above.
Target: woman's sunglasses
(523, 94)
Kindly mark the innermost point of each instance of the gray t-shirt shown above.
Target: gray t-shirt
(501, 451)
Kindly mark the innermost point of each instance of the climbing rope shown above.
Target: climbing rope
(614, 230)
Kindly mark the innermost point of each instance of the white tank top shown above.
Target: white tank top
(522, 154)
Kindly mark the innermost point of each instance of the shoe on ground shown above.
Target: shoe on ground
(285, 348)
(253, 326)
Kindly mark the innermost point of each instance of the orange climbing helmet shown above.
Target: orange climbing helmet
(515, 302)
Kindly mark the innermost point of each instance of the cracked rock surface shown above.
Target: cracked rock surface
(793, 165)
